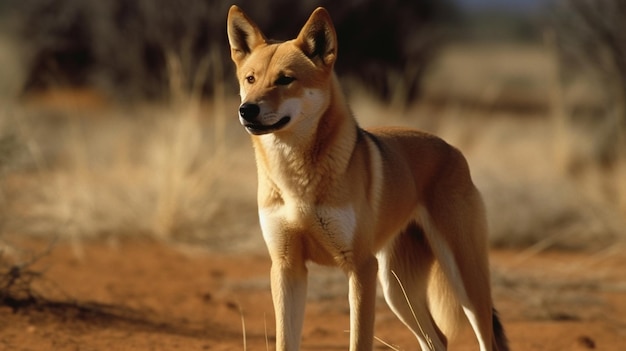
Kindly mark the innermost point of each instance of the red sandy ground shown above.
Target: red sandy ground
(146, 295)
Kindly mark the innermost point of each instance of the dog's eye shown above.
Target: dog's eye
(284, 80)
(250, 79)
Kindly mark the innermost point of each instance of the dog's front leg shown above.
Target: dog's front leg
(362, 304)
(289, 285)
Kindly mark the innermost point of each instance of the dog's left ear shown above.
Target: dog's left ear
(318, 39)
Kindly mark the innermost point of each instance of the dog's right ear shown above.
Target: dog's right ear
(243, 34)
(318, 39)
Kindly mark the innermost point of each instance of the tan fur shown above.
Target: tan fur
(371, 202)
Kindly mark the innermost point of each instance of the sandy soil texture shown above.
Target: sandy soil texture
(146, 295)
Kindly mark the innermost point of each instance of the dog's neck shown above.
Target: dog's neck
(310, 158)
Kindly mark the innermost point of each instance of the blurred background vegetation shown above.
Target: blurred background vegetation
(118, 117)
(122, 47)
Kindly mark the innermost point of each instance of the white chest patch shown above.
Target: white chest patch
(332, 228)
(338, 224)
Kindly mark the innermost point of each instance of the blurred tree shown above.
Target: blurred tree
(56, 35)
(591, 35)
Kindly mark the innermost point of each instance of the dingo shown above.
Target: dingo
(387, 201)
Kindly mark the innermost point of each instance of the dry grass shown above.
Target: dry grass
(184, 170)
(177, 170)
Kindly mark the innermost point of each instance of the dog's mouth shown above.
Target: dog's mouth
(259, 129)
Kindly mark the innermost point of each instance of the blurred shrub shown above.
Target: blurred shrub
(125, 47)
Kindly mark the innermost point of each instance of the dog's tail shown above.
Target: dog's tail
(500, 342)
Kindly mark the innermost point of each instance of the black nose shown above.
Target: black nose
(249, 111)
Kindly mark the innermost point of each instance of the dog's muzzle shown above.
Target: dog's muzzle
(249, 118)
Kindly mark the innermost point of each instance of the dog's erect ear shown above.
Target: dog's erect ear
(243, 34)
(318, 39)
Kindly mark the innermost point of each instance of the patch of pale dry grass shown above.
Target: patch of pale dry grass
(487, 71)
(174, 172)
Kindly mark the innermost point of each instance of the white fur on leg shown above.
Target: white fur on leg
(289, 297)
(471, 316)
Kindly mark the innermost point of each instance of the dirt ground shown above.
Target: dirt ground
(142, 294)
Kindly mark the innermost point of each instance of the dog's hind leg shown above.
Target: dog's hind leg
(456, 231)
(405, 265)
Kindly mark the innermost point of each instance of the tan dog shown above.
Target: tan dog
(386, 201)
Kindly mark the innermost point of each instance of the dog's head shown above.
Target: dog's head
(283, 86)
